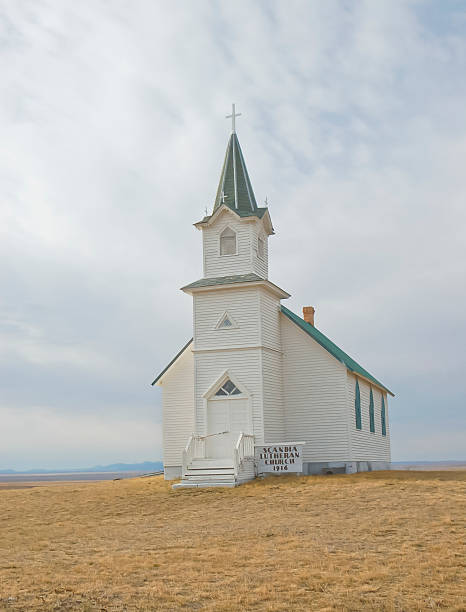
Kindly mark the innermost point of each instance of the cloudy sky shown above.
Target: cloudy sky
(112, 136)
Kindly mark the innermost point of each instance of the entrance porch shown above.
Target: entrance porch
(201, 469)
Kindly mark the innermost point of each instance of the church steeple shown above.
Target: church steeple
(234, 188)
(235, 236)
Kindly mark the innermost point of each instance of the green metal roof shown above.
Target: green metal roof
(332, 348)
(234, 188)
(172, 361)
(224, 280)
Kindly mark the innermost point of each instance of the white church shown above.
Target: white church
(256, 377)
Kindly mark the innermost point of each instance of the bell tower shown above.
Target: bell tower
(236, 330)
(235, 236)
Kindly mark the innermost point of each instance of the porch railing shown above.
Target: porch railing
(244, 449)
(194, 449)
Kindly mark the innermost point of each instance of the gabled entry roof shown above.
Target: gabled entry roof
(332, 348)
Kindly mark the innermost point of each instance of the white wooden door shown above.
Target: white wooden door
(218, 422)
(239, 417)
(225, 415)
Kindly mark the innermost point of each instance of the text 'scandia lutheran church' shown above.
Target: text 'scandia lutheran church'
(256, 374)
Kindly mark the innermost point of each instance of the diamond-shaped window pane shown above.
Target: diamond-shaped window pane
(229, 387)
(226, 323)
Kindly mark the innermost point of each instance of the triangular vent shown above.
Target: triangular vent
(226, 322)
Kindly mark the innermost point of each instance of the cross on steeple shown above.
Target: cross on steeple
(233, 117)
(235, 189)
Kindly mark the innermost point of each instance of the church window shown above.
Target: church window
(228, 388)
(382, 417)
(260, 248)
(357, 406)
(371, 413)
(226, 321)
(228, 242)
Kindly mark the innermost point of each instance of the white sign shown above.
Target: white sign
(281, 458)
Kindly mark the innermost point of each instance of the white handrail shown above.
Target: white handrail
(194, 449)
(244, 449)
(219, 433)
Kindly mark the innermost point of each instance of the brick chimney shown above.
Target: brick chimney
(308, 314)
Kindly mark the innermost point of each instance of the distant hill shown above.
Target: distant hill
(433, 463)
(146, 466)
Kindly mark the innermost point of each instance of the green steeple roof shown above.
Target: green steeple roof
(234, 188)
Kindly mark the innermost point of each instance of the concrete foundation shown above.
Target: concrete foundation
(172, 472)
(343, 467)
(313, 468)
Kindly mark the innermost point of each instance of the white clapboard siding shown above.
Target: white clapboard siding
(270, 332)
(244, 367)
(241, 304)
(259, 264)
(365, 445)
(245, 260)
(178, 407)
(274, 421)
(269, 307)
(314, 395)
(246, 470)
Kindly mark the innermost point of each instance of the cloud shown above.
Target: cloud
(113, 135)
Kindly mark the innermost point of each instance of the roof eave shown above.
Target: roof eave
(263, 283)
(368, 380)
(210, 219)
(175, 358)
(206, 221)
(267, 220)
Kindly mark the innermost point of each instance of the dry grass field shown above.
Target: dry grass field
(380, 541)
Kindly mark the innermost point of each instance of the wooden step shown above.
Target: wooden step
(213, 470)
(208, 474)
(212, 463)
(203, 484)
(205, 474)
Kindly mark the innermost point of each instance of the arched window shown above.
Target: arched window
(371, 413)
(228, 242)
(357, 406)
